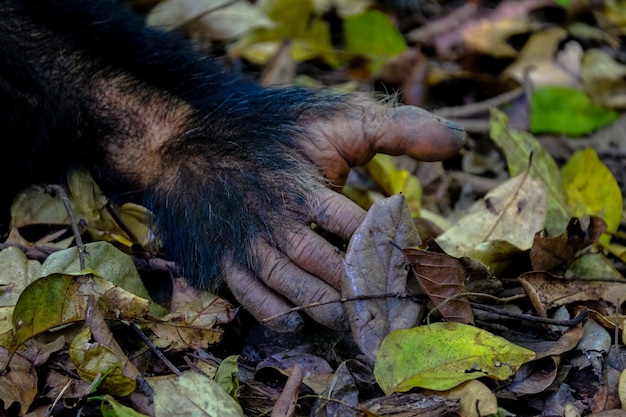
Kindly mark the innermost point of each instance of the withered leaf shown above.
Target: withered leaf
(548, 253)
(442, 278)
(374, 267)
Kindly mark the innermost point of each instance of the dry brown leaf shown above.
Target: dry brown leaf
(442, 278)
(549, 252)
(19, 384)
(534, 377)
(287, 400)
(375, 267)
(556, 291)
(539, 56)
(341, 396)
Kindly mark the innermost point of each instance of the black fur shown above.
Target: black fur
(86, 82)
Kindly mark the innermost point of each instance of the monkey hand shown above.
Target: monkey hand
(304, 268)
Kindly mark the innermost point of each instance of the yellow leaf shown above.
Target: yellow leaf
(622, 389)
(393, 181)
(95, 360)
(592, 189)
(441, 356)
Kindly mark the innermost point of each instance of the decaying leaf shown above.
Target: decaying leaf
(555, 291)
(96, 354)
(603, 78)
(410, 404)
(341, 395)
(194, 324)
(476, 398)
(16, 273)
(18, 388)
(549, 252)
(537, 64)
(220, 19)
(376, 267)
(440, 356)
(518, 146)
(499, 226)
(196, 394)
(442, 277)
(383, 170)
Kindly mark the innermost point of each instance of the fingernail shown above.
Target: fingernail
(453, 125)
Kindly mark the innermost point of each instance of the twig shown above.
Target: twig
(473, 109)
(584, 315)
(156, 351)
(343, 300)
(60, 192)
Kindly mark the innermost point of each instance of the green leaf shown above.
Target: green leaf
(110, 407)
(441, 356)
(518, 147)
(373, 35)
(566, 111)
(226, 375)
(592, 189)
(104, 259)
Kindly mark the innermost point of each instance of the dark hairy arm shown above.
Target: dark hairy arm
(233, 172)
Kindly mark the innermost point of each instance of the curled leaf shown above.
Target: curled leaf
(376, 267)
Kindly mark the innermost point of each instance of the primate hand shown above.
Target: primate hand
(233, 172)
(306, 268)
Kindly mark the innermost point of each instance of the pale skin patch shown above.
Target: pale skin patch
(150, 118)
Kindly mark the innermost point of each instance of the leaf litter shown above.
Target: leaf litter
(525, 254)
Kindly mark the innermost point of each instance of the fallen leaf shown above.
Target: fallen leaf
(412, 404)
(196, 394)
(341, 395)
(536, 63)
(518, 147)
(500, 226)
(220, 19)
(372, 35)
(441, 356)
(534, 377)
(376, 267)
(477, 399)
(548, 253)
(105, 259)
(16, 273)
(97, 355)
(554, 291)
(442, 278)
(603, 79)
(18, 385)
(592, 189)
(111, 407)
(393, 180)
(567, 111)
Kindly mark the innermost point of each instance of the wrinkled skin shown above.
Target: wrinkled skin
(308, 269)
